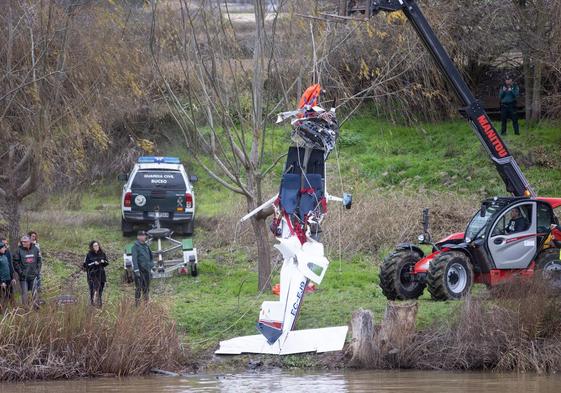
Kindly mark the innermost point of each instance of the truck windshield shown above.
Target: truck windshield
(171, 180)
(478, 223)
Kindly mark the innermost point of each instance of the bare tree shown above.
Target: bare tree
(537, 22)
(222, 107)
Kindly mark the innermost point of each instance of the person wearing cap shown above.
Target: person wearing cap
(142, 263)
(7, 280)
(27, 263)
(508, 93)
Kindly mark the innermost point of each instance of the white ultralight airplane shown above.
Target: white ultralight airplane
(299, 209)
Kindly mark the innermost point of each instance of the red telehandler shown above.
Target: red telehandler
(507, 237)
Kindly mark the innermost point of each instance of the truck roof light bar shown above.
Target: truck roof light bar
(158, 160)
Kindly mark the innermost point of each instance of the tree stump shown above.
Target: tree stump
(362, 345)
(373, 346)
(398, 327)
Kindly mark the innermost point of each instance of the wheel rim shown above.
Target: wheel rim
(457, 278)
(552, 273)
(405, 276)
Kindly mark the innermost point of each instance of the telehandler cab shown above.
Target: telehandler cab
(507, 237)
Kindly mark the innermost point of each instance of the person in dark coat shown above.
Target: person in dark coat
(4, 240)
(27, 263)
(7, 280)
(508, 93)
(95, 263)
(517, 222)
(142, 263)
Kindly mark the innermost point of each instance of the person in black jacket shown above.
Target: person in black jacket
(518, 222)
(95, 264)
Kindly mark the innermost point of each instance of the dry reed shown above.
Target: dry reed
(520, 330)
(77, 341)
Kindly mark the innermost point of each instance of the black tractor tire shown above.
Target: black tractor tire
(127, 228)
(393, 276)
(193, 270)
(548, 266)
(450, 276)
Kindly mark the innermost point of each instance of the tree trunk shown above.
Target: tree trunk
(263, 252)
(539, 35)
(524, 43)
(527, 69)
(260, 230)
(12, 214)
(536, 93)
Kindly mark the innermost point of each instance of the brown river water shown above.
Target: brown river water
(287, 382)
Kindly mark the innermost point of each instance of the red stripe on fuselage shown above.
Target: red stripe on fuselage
(273, 324)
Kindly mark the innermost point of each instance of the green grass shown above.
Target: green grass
(222, 302)
(444, 156)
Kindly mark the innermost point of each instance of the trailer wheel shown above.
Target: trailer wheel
(193, 270)
(395, 278)
(450, 276)
(548, 264)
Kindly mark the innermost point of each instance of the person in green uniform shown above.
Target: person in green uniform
(508, 93)
(142, 264)
(7, 280)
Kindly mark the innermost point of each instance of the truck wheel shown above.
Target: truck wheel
(548, 265)
(193, 270)
(450, 276)
(127, 228)
(395, 278)
(187, 229)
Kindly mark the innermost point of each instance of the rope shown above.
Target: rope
(259, 294)
(257, 297)
(339, 227)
